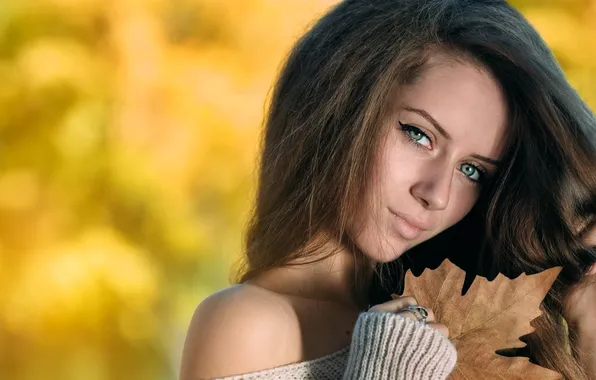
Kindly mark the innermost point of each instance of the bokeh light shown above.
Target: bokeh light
(129, 134)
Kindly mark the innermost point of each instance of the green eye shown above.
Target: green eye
(416, 135)
(472, 172)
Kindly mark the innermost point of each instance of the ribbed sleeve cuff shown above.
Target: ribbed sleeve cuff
(389, 346)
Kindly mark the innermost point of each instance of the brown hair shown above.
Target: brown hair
(324, 125)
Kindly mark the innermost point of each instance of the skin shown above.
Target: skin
(304, 312)
(426, 178)
(580, 312)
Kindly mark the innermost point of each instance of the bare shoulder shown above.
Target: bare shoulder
(240, 329)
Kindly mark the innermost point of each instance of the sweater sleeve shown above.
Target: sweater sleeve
(389, 346)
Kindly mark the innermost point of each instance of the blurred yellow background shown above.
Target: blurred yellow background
(129, 134)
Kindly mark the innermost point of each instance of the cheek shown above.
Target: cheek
(461, 204)
(402, 167)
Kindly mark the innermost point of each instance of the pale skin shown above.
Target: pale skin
(444, 135)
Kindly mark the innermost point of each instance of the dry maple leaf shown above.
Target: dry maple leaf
(492, 315)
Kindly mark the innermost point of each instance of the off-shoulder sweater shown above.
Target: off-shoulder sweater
(384, 346)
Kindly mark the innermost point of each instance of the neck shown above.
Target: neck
(330, 274)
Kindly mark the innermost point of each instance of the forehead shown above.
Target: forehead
(465, 99)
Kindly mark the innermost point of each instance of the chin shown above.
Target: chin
(381, 246)
(389, 257)
(386, 251)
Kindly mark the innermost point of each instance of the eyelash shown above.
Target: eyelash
(409, 128)
(405, 128)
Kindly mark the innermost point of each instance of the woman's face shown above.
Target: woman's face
(446, 134)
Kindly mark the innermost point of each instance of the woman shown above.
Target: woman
(394, 125)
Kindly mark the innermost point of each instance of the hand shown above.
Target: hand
(397, 306)
(580, 309)
(580, 304)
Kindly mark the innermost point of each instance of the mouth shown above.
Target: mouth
(406, 227)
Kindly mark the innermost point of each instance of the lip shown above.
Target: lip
(406, 226)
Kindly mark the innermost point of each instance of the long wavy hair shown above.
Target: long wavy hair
(324, 126)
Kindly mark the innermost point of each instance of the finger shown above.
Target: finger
(431, 316)
(437, 326)
(395, 305)
(410, 314)
(440, 327)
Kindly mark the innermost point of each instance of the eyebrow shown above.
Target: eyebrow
(445, 134)
(431, 120)
(486, 159)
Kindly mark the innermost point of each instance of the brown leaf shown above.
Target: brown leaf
(492, 315)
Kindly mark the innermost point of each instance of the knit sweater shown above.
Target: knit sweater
(384, 346)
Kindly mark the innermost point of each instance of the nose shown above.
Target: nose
(433, 188)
